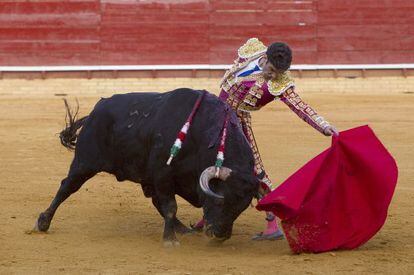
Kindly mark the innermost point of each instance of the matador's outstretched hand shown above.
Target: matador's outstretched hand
(330, 130)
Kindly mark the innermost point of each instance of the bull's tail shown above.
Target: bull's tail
(69, 135)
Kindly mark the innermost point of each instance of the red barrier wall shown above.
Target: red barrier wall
(110, 32)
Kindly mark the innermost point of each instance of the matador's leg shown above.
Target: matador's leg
(272, 231)
(246, 122)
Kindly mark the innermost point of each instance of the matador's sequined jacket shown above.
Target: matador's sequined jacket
(244, 89)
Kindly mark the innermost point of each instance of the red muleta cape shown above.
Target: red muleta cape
(339, 199)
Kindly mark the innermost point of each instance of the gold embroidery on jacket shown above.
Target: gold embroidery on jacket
(280, 84)
(252, 97)
(304, 111)
(252, 47)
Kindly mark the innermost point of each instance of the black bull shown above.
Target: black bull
(130, 136)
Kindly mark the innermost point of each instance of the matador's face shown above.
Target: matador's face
(269, 71)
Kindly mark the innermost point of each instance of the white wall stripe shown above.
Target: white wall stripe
(194, 67)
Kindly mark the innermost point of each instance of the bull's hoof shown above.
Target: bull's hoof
(169, 244)
(42, 224)
(180, 228)
(183, 230)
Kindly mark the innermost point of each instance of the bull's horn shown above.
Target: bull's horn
(208, 174)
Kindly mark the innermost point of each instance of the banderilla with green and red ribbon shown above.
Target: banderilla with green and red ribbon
(184, 130)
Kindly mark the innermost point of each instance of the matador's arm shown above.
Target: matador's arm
(304, 111)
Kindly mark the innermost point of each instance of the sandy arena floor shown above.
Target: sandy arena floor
(110, 227)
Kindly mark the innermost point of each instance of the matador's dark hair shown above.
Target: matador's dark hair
(280, 55)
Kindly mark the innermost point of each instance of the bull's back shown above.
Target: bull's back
(130, 125)
(124, 131)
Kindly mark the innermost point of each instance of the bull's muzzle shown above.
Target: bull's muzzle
(211, 172)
